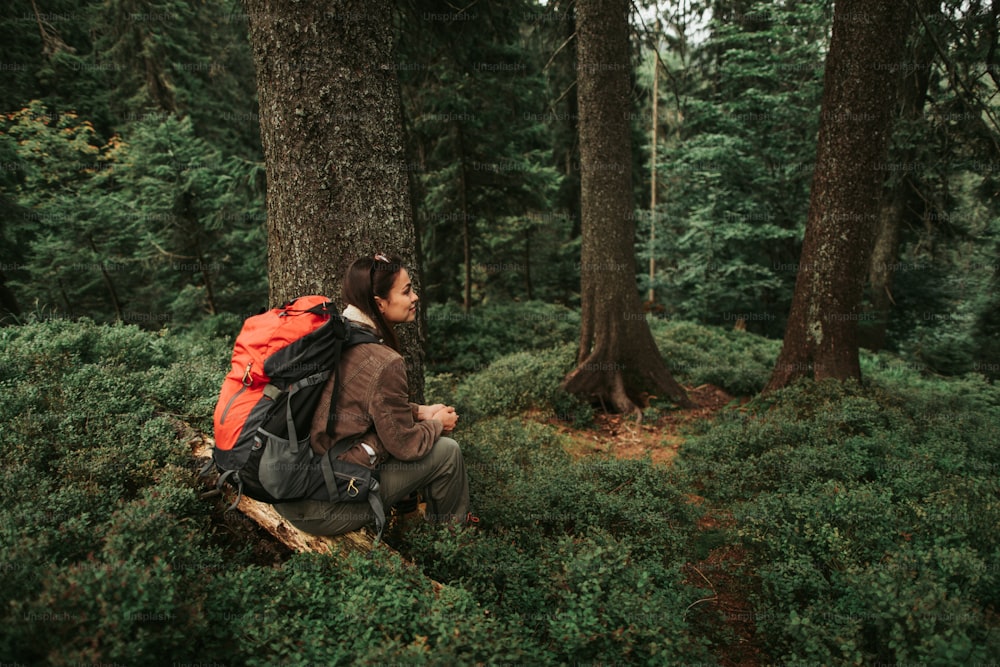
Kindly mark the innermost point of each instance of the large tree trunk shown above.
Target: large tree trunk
(617, 359)
(899, 201)
(331, 129)
(858, 112)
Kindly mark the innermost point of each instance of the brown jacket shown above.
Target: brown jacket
(373, 403)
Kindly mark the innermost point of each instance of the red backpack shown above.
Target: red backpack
(281, 361)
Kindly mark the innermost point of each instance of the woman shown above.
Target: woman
(402, 440)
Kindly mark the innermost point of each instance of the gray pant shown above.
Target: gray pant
(441, 475)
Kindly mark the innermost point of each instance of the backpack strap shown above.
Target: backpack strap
(355, 336)
(239, 486)
(335, 369)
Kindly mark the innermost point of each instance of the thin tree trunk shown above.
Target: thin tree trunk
(857, 117)
(8, 301)
(617, 360)
(206, 274)
(885, 255)
(108, 283)
(209, 291)
(527, 264)
(898, 199)
(466, 231)
(652, 172)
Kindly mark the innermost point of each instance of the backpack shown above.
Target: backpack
(281, 360)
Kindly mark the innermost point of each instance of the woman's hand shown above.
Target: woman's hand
(425, 412)
(447, 416)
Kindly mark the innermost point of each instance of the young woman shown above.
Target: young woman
(402, 440)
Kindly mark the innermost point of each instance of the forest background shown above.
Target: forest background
(133, 184)
(132, 192)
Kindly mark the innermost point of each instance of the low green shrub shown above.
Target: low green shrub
(585, 598)
(736, 361)
(869, 513)
(613, 607)
(364, 609)
(522, 382)
(463, 343)
(100, 516)
(110, 556)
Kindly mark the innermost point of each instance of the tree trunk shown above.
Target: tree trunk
(8, 302)
(899, 201)
(331, 129)
(858, 111)
(617, 360)
(885, 253)
(206, 274)
(529, 291)
(652, 164)
(463, 190)
(108, 283)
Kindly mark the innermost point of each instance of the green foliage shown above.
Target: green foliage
(171, 246)
(384, 612)
(100, 520)
(484, 198)
(504, 359)
(466, 342)
(574, 550)
(739, 119)
(520, 382)
(736, 361)
(109, 555)
(132, 194)
(869, 513)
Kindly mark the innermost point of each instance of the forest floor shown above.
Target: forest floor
(721, 567)
(620, 437)
(715, 565)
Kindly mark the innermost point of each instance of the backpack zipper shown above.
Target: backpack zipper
(350, 485)
(222, 420)
(246, 384)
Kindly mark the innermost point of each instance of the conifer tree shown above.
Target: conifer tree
(331, 128)
(858, 110)
(617, 359)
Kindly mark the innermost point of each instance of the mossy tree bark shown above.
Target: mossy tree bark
(866, 52)
(617, 361)
(331, 129)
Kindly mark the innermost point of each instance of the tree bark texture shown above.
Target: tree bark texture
(617, 360)
(331, 129)
(866, 52)
(900, 200)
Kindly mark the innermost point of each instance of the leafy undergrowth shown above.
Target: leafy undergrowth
(824, 524)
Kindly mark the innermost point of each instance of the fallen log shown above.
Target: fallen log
(275, 524)
(266, 517)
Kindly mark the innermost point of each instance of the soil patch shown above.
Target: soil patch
(622, 437)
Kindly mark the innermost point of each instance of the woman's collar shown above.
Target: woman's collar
(355, 314)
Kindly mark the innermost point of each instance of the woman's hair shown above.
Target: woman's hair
(367, 278)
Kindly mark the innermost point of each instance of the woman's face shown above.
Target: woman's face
(401, 304)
